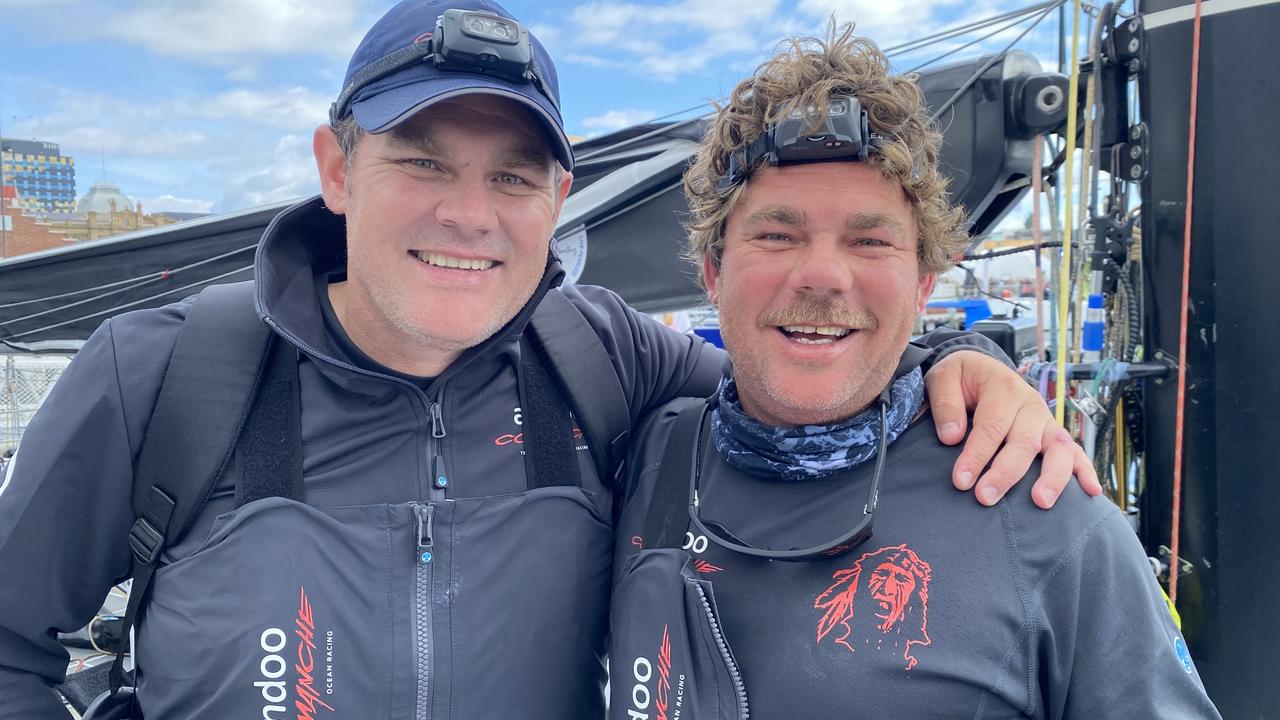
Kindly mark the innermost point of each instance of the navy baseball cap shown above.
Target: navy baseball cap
(382, 104)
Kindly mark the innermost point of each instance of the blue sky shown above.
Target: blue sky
(209, 105)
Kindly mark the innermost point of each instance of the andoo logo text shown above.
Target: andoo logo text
(642, 672)
(273, 666)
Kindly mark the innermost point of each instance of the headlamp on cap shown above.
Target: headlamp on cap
(464, 41)
(473, 41)
(806, 136)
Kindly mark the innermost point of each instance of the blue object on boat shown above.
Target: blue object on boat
(974, 309)
(710, 334)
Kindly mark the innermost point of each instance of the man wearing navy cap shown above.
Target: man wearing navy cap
(410, 523)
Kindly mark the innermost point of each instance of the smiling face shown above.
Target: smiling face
(449, 217)
(818, 289)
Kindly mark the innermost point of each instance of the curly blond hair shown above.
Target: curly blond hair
(805, 72)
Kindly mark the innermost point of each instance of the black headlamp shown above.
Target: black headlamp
(464, 41)
(805, 136)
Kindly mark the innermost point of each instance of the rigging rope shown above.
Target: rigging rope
(1014, 23)
(1186, 298)
(1037, 171)
(1064, 272)
(158, 274)
(964, 87)
(1018, 16)
(927, 40)
(207, 281)
(1081, 283)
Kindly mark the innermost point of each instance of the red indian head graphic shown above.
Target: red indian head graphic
(880, 603)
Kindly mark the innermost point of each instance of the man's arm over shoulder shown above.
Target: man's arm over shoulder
(66, 509)
(1108, 644)
(654, 362)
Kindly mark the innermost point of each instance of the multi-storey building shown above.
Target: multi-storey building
(21, 232)
(44, 178)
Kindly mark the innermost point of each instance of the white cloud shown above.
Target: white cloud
(898, 16)
(68, 127)
(289, 108)
(248, 147)
(170, 127)
(667, 40)
(243, 74)
(671, 39)
(550, 36)
(617, 119)
(289, 173)
(593, 60)
(169, 203)
(225, 31)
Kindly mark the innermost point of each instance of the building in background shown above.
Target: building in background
(45, 179)
(104, 211)
(22, 232)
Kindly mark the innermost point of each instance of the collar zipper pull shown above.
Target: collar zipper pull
(437, 420)
(425, 514)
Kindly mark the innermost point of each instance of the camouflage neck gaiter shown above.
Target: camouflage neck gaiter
(809, 452)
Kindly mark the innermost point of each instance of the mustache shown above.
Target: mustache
(820, 312)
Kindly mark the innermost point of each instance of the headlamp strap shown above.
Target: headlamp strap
(742, 162)
(420, 50)
(765, 149)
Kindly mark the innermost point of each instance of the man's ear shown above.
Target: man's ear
(926, 289)
(562, 192)
(711, 279)
(331, 163)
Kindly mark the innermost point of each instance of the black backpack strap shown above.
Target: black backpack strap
(549, 457)
(204, 399)
(667, 520)
(269, 451)
(587, 378)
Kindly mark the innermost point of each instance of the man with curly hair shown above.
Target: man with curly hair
(791, 551)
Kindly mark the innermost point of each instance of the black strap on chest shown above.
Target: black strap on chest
(569, 368)
(548, 442)
(223, 355)
(268, 454)
(667, 521)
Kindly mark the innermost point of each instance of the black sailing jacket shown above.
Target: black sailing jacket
(282, 608)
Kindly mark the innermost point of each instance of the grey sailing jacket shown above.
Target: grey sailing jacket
(280, 608)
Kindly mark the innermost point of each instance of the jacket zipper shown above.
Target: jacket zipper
(739, 687)
(435, 460)
(424, 514)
